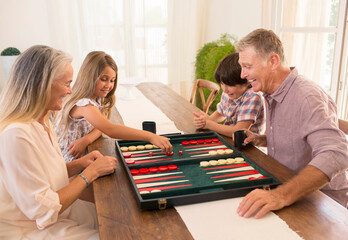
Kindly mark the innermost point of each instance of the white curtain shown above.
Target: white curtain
(309, 51)
(81, 26)
(151, 40)
(185, 36)
(305, 36)
(66, 32)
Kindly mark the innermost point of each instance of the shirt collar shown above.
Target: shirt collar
(239, 100)
(284, 88)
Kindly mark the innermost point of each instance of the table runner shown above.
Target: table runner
(209, 220)
(140, 109)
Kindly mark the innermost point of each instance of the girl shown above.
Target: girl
(37, 201)
(87, 110)
(240, 107)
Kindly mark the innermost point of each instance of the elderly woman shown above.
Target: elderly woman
(37, 201)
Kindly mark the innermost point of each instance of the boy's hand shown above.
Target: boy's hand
(199, 120)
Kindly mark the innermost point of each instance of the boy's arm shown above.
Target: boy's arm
(216, 117)
(227, 130)
(200, 119)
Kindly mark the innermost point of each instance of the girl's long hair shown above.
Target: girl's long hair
(84, 87)
(27, 93)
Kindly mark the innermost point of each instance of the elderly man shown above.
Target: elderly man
(301, 128)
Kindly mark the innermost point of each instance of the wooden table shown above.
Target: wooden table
(315, 217)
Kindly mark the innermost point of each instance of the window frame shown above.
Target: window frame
(339, 31)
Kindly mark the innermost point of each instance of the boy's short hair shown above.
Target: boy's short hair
(228, 71)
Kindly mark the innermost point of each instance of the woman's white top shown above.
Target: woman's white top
(32, 170)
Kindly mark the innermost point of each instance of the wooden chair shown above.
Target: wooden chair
(343, 125)
(201, 84)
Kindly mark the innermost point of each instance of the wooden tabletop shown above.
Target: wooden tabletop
(315, 217)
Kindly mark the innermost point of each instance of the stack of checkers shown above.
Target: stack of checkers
(140, 147)
(200, 141)
(221, 162)
(220, 152)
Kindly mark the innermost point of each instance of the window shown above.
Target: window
(342, 102)
(133, 32)
(312, 32)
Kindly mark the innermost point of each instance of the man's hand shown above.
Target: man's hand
(260, 202)
(255, 139)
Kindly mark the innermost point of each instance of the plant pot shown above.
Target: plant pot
(7, 62)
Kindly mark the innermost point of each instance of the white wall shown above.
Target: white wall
(235, 17)
(22, 24)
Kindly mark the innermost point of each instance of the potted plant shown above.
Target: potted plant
(207, 59)
(8, 56)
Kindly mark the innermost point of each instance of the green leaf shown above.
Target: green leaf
(207, 59)
(10, 51)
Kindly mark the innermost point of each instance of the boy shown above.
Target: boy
(240, 107)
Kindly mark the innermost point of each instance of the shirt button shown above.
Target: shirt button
(271, 127)
(272, 148)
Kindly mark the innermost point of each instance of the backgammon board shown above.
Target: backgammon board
(202, 167)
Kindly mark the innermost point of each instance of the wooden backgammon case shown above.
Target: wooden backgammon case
(203, 167)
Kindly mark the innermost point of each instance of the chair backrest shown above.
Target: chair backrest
(201, 84)
(343, 125)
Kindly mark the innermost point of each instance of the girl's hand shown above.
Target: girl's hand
(78, 148)
(162, 142)
(200, 120)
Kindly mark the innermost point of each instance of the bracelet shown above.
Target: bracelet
(84, 178)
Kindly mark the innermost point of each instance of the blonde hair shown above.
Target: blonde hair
(84, 86)
(27, 93)
(264, 42)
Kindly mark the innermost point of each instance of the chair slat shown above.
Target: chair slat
(201, 84)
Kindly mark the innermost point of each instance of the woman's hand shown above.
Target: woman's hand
(89, 158)
(102, 166)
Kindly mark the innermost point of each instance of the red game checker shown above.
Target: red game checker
(193, 142)
(172, 167)
(130, 161)
(185, 142)
(150, 154)
(215, 140)
(127, 155)
(200, 141)
(134, 171)
(153, 169)
(163, 168)
(208, 140)
(180, 152)
(143, 170)
(170, 154)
